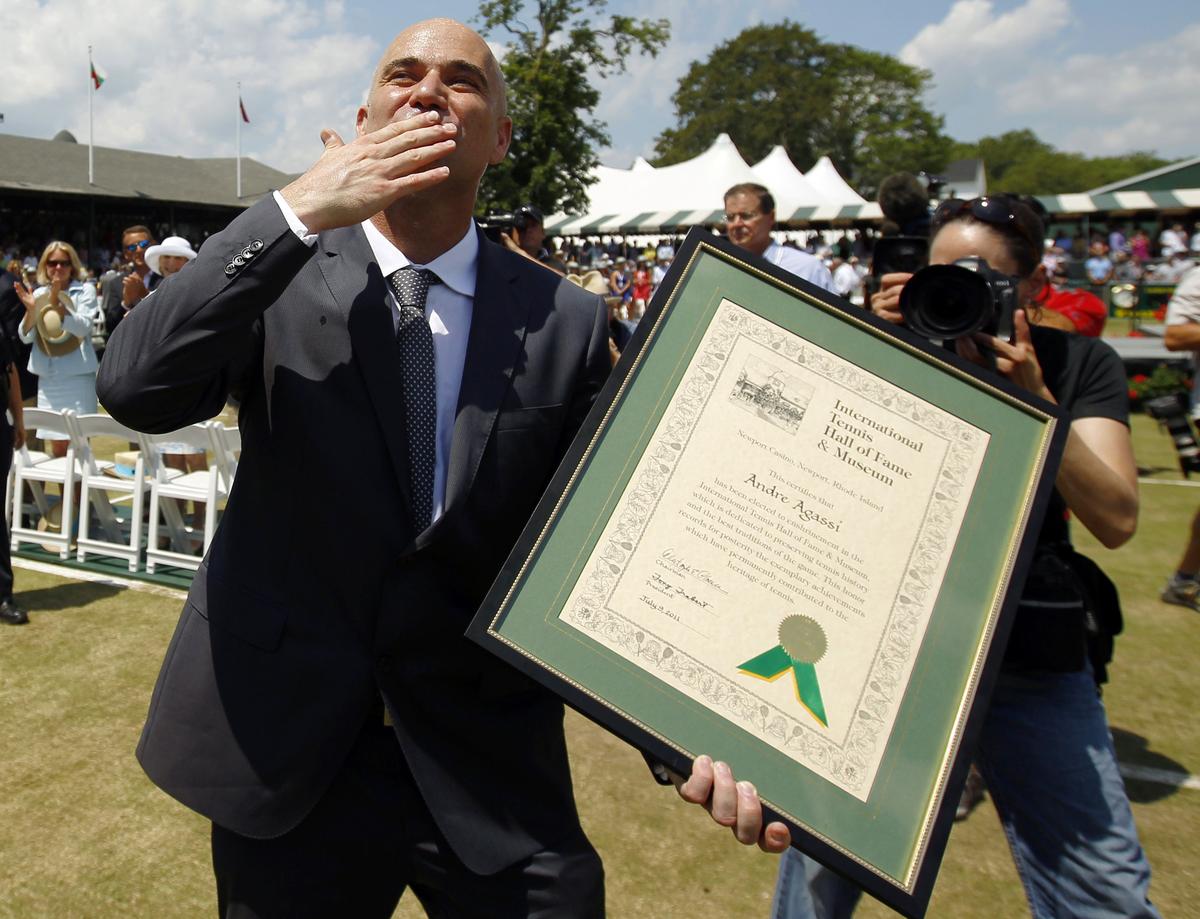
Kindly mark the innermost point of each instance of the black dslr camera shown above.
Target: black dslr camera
(945, 302)
(494, 223)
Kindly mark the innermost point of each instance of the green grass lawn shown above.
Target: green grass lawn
(84, 834)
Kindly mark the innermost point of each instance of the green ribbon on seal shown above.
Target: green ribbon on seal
(802, 643)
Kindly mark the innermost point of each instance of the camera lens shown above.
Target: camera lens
(946, 301)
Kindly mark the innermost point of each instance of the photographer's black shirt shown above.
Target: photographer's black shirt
(1051, 631)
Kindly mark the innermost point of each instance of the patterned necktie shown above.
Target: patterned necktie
(420, 394)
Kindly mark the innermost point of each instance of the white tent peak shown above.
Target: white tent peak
(777, 159)
(787, 184)
(695, 184)
(721, 158)
(827, 180)
(691, 192)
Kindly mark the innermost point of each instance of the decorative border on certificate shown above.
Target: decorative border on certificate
(775, 370)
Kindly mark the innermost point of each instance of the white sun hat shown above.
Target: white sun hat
(172, 245)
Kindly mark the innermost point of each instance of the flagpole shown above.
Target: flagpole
(237, 116)
(91, 120)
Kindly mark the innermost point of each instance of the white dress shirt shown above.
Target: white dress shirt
(801, 264)
(448, 309)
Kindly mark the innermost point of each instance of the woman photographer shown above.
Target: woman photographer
(1045, 748)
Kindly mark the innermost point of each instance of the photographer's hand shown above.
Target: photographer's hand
(508, 239)
(885, 302)
(1016, 360)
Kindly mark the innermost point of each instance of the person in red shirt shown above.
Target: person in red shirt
(641, 287)
(1072, 310)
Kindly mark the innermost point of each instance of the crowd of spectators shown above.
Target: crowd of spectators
(1123, 255)
(635, 266)
(1079, 267)
(22, 239)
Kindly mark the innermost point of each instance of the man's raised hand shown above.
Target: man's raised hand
(351, 182)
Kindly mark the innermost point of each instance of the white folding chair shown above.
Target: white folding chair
(38, 469)
(8, 492)
(98, 480)
(12, 508)
(226, 448)
(168, 489)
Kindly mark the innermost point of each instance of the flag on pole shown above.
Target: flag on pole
(237, 123)
(97, 80)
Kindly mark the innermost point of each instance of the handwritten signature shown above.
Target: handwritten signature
(672, 561)
(663, 586)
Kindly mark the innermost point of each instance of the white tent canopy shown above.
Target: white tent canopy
(828, 181)
(648, 199)
(789, 186)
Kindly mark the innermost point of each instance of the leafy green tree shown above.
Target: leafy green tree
(1021, 163)
(1002, 153)
(554, 52)
(781, 84)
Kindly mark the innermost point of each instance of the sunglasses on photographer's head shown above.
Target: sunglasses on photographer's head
(995, 210)
(140, 244)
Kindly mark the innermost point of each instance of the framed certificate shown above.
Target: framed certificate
(790, 535)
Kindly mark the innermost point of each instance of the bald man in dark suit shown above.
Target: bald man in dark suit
(318, 701)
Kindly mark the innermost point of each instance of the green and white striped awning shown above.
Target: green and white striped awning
(1118, 202)
(1177, 199)
(645, 222)
(833, 213)
(677, 221)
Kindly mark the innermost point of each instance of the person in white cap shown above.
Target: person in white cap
(169, 255)
(165, 259)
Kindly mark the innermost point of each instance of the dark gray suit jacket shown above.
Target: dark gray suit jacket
(316, 592)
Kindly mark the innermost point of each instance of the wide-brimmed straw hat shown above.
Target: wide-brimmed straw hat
(594, 283)
(48, 329)
(172, 245)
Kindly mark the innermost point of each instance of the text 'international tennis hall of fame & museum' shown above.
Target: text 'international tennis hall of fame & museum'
(778, 550)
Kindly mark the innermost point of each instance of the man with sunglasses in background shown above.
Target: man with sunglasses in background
(122, 290)
(749, 217)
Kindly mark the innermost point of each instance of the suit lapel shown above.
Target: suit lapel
(361, 293)
(494, 345)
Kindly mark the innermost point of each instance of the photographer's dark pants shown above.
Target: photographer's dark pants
(370, 838)
(1048, 759)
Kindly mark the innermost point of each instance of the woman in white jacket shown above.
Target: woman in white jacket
(62, 357)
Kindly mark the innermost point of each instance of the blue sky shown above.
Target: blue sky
(1096, 76)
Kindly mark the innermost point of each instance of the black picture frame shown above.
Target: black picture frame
(512, 628)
